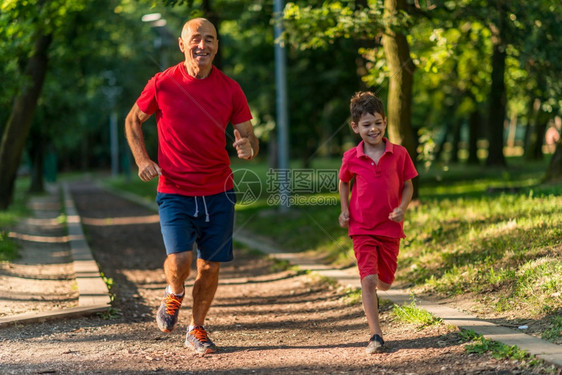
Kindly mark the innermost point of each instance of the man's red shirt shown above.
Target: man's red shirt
(192, 115)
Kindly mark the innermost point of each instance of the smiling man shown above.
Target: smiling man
(193, 102)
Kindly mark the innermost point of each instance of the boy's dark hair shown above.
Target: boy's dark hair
(365, 102)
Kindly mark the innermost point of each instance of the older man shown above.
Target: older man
(194, 102)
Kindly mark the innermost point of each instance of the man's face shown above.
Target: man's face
(199, 43)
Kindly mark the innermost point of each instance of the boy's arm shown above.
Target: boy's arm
(344, 202)
(407, 193)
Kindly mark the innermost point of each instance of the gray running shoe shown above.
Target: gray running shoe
(167, 315)
(198, 340)
(376, 344)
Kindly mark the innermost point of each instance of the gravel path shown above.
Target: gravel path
(264, 320)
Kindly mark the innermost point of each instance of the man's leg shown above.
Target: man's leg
(176, 269)
(204, 290)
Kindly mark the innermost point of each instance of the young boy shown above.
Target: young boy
(381, 193)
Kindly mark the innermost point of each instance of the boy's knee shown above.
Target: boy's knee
(370, 282)
(383, 286)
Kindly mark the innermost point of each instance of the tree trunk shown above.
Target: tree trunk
(21, 118)
(497, 109)
(441, 144)
(457, 130)
(534, 150)
(497, 100)
(473, 133)
(401, 68)
(554, 171)
(529, 128)
(36, 151)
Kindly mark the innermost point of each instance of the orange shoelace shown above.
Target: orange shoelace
(173, 304)
(199, 333)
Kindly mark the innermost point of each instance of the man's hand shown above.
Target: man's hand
(243, 146)
(344, 219)
(397, 215)
(148, 170)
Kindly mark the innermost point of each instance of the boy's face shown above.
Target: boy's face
(371, 128)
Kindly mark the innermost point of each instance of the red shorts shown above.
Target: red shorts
(376, 255)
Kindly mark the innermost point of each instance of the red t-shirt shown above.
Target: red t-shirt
(192, 115)
(377, 189)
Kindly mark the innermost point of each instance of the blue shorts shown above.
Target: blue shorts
(207, 221)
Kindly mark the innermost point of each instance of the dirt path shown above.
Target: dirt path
(263, 321)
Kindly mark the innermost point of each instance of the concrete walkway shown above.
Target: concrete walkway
(56, 266)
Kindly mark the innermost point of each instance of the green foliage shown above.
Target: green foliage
(8, 248)
(317, 27)
(111, 313)
(481, 345)
(8, 218)
(414, 315)
(554, 332)
(109, 283)
(352, 296)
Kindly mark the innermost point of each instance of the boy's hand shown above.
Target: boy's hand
(397, 215)
(344, 219)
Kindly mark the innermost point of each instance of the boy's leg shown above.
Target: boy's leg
(371, 304)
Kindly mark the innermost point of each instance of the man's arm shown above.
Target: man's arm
(245, 141)
(148, 169)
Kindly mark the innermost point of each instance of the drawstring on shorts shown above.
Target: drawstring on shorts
(207, 219)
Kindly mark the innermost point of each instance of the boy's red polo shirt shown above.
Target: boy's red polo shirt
(192, 115)
(377, 189)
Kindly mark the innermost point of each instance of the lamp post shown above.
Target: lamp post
(281, 101)
(111, 91)
(164, 36)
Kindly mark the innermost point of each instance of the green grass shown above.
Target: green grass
(554, 331)
(481, 345)
(410, 313)
(8, 248)
(9, 217)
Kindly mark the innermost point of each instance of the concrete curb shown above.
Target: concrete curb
(92, 288)
(542, 349)
(93, 292)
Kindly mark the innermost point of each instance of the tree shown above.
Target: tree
(401, 76)
(497, 100)
(19, 122)
(314, 27)
(42, 20)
